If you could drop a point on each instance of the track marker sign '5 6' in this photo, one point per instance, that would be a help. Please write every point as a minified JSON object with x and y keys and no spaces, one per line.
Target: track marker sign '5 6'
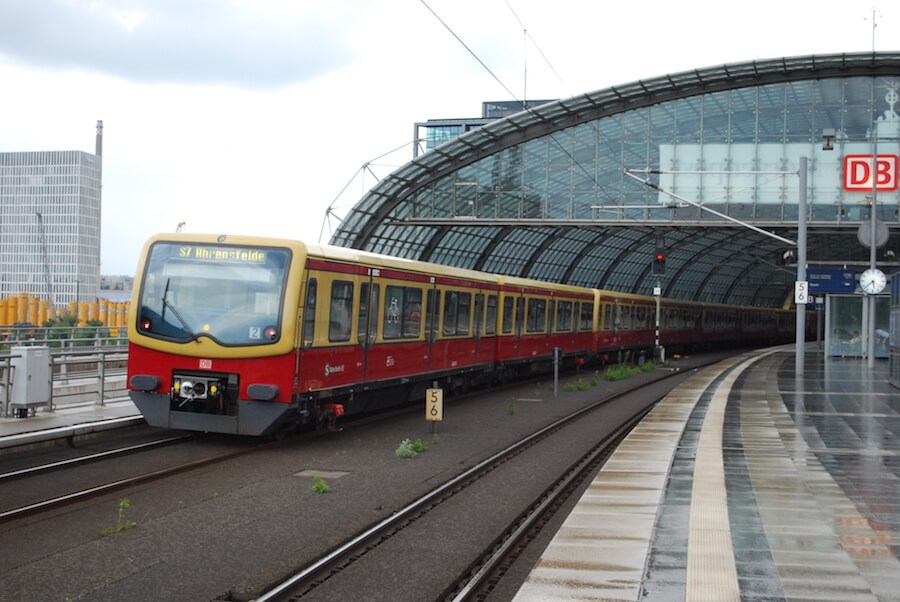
{"x":858,"y":172}
{"x":434,"y":404}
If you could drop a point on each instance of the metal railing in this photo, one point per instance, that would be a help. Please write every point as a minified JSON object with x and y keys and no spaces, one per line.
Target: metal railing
{"x":84,"y":368}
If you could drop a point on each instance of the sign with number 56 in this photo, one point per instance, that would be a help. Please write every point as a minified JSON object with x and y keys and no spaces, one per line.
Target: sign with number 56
{"x":434,"y":404}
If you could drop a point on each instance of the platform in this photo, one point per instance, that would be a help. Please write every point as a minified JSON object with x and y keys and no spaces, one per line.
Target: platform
{"x":67,"y":421}
{"x":745,"y":483}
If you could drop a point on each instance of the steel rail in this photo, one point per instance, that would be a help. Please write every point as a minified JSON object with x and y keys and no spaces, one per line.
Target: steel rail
{"x":119,"y":484}
{"x":344,"y":552}
{"x":91,"y":457}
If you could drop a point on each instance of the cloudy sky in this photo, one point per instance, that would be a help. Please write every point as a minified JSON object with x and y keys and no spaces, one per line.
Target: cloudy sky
{"x":256,"y":116}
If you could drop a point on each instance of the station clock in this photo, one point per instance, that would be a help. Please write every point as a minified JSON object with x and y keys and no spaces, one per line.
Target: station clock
{"x":872,"y":281}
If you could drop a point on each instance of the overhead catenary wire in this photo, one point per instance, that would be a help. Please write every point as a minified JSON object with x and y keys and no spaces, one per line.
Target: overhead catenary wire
{"x":552,"y":137}
{"x":472,"y":52}
{"x":537,"y":47}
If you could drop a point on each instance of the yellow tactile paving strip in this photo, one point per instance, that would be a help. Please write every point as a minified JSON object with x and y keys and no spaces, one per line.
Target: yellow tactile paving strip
{"x":600,"y":551}
{"x":711,"y":571}
{"x":821,"y":546}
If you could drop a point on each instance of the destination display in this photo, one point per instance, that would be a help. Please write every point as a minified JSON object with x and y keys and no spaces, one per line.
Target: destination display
{"x":224,"y":254}
{"x":825,"y":280}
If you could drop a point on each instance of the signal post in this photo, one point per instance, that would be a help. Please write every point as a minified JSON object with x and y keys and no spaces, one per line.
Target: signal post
{"x":659,"y":270}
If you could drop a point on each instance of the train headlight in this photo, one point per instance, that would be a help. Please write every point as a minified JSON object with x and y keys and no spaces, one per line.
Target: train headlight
{"x":191,"y":387}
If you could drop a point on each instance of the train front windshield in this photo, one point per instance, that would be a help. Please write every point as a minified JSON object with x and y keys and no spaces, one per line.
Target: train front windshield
{"x":231,"y":294}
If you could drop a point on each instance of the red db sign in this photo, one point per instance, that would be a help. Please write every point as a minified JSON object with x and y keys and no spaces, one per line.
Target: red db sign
{"x":858,"y":172}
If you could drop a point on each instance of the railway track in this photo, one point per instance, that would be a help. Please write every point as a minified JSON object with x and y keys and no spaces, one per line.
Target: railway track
{"x":34,"y":489}
{"x":262,"y":503}
{"x":70,"y":462}
{"x":474,"y":579}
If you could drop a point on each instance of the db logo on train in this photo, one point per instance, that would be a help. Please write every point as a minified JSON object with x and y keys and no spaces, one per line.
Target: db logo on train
{"x":858,"y":172}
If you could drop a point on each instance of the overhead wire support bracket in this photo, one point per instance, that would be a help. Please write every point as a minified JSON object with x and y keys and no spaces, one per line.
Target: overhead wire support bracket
{"x":631,"y":174}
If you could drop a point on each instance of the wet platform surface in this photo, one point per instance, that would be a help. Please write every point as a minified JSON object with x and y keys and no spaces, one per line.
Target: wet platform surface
{"x":745,"y":483}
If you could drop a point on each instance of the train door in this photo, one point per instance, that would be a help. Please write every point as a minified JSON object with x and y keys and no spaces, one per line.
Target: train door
{"x":367,"y":323}
{"x":478,"y":322}
{"x":520,"y":322}
{"x":432,"y":322}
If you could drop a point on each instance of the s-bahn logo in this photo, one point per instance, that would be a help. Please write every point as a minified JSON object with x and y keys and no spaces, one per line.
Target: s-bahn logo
{"x":858,"y":172}
{"x":329,"y":369}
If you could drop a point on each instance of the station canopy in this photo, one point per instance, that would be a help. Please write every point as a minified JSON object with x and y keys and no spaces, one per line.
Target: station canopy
{"x":586,"y":190}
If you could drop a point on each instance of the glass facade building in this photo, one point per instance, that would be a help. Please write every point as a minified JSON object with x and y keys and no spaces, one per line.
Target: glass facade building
{"x":440,"y":131}
{"x":50,"y":225}
{"x":581,"y":190}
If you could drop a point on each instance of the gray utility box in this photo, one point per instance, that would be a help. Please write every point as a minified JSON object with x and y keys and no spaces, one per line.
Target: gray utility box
{"x":30,"y":377}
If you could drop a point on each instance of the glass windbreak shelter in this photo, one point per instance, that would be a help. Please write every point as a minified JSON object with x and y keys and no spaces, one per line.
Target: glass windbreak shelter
{"x":847,"y":334}
{"x":894,"y":374}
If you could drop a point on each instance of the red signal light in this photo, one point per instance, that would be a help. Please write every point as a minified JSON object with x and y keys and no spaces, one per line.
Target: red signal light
{"x":659,"y":263}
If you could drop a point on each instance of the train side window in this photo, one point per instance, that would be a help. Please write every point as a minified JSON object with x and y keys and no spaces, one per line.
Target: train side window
{"x":564,"y":316}
{"x":640,"y":317}
{"x":508,"y":314}
{"x":490,"y":327}
{"x":451,"y":306}
{"x":402,"y":312}
{"x":340,"y":312}
{"x":432,"y":303}
{"x":463,"y":313}
{"x":587,"y":316}
{"x":412,"y":313}
{"x":309,"y":314}
{"x":609,"y":318}
{"x":537,"y":315}
{"x":393,"y":303}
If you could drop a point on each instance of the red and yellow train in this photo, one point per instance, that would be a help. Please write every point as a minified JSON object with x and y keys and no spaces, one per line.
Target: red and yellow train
{"x":249,"y":335}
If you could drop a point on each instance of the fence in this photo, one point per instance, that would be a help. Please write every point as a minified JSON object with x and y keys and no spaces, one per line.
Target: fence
{"x":82,"y":371}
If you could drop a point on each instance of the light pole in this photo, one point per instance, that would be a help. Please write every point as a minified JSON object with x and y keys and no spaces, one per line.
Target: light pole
{"x":800,"y":340}
{"x":801,"y":232}
{"x":872,"y":280}
{"x":873,"y":222}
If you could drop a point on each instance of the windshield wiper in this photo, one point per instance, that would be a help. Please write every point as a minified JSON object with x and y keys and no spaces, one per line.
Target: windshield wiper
{"x":184,"y":324}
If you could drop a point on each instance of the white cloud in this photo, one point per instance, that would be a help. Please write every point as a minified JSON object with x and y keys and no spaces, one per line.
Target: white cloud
{"x":251,"y":117}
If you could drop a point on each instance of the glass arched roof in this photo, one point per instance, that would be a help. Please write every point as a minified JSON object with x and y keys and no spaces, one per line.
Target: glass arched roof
{"x":544,"y":194}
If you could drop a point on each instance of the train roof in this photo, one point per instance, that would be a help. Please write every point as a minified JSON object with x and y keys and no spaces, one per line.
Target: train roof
{"x":349,"y":255}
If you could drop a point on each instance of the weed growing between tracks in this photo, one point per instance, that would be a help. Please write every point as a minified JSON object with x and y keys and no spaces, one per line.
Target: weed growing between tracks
{"x":621,"y":371}
{"x":122,"y":524}
{"x":319,"y":485}
{"x":409,"y":449}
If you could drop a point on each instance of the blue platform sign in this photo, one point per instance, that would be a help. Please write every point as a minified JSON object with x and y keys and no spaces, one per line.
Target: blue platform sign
{"x":825,"y":280}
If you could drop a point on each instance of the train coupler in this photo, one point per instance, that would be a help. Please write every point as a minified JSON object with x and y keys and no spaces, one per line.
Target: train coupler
{"x":329,"y":413}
